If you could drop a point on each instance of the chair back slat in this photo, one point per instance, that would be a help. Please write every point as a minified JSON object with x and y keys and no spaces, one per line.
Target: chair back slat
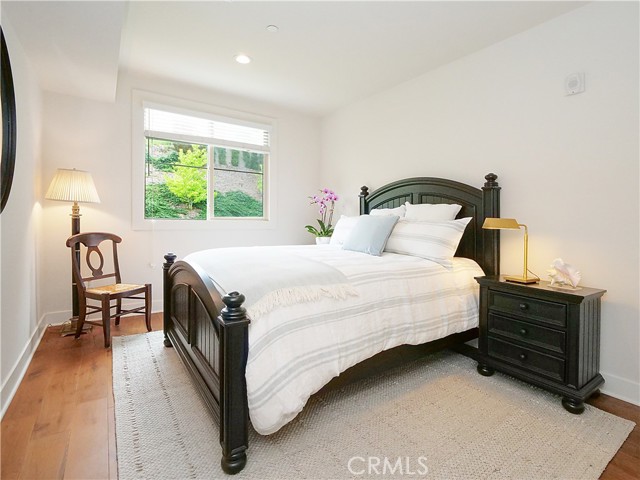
{"x":99,"y":277}
{"x":94,"y":259}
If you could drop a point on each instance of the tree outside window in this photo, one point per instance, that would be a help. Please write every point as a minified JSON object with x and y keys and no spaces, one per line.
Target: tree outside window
{"x":198,"y":181}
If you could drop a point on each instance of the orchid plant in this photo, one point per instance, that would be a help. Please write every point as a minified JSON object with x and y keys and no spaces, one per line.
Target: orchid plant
{"x":326,"y":202}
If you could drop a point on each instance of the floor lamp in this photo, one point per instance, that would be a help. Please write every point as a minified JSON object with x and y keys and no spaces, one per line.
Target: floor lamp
{"x":73,"y":186}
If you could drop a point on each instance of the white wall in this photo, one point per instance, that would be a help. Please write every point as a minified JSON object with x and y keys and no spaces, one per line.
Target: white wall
{"x":96,"y":136}
{"x":568,"y":165}
{"x":502,"y":109}
{"x":20,"y":319}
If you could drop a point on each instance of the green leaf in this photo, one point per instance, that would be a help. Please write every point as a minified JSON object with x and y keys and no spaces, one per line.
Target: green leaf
{"x":312,"y":230}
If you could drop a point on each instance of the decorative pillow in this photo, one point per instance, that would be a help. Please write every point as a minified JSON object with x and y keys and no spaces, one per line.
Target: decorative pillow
{"x":427,"y":212}
{"x":398,"y":211}
{"x":370,"y":234}
{"x":342,"y":229}
{"x":435,"y":241}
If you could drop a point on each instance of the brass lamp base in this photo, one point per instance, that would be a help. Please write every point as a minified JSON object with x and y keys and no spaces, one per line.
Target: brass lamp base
{"x":525,"y":280}
{"x":69,"y":328}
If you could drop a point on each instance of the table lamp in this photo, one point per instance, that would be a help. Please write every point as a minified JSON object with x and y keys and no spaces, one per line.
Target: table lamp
{"x":512,"y":224}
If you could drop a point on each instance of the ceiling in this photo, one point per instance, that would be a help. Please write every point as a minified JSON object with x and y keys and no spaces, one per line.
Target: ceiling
{"x":325,"y":54}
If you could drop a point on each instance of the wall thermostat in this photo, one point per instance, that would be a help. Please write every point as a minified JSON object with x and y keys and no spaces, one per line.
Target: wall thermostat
{"x":574,"y":83}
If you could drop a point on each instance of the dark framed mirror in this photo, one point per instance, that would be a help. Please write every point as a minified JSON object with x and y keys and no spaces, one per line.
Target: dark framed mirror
{"x":8,"y":125}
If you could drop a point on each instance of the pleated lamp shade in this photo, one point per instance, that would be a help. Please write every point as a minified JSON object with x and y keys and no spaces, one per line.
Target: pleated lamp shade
{"x":73,"y":186}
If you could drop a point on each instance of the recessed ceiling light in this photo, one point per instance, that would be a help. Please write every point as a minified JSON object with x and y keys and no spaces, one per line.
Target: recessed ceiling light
{"x":242,"y":58}
{"x":272,"y":28}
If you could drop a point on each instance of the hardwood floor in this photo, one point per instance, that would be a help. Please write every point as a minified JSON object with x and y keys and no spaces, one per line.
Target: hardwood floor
{"x":61,"y":421}
{"x":625,"y":465}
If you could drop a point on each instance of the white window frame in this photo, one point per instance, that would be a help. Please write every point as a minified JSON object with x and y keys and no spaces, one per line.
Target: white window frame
{"x":141,"y":100}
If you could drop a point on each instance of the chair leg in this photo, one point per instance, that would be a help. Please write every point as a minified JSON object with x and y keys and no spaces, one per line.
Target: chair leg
{"x":118,"y":310}
{"x":82,"y":314}
{"x":147,"y":307}
{"x":106,"y":320}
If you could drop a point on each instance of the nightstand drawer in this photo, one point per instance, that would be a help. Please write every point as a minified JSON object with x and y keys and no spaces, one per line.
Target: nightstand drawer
{"x":527,"y":359}
{"x":542,"y":337}
{"x":533,"y":308}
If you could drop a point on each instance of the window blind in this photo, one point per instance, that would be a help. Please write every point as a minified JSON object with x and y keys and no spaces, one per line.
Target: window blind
{"x":170,"y":125}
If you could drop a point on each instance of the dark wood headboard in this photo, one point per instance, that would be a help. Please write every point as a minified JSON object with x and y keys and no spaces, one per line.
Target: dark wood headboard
{"x":483,"y":246}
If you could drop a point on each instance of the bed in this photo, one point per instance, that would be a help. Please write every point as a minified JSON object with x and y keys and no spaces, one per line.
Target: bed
{"x":210,"y":329}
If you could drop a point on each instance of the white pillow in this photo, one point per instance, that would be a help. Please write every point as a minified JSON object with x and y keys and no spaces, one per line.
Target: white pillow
{"x":427,"y":212}
{"x":370,"y":234}
{"x":436,"y":241}
{"x":342,"y":229}
{"x":398,"y":211}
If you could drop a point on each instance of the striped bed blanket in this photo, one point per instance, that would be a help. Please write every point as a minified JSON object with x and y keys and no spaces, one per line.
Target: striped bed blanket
{"x":297,"y":348}
{"x":271,"y":277}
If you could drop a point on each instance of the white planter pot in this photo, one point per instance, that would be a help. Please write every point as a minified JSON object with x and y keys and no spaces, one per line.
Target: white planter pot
{"x":322,"y":240}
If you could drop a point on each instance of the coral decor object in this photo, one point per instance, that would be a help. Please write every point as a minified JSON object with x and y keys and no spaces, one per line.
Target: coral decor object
{"x":563,"y":274}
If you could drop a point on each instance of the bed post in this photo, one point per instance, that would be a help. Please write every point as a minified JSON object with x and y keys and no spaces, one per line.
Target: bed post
{"x":491,"y":238}
{"x":170,"y":258}
{"x":234,"y":411}
{"x":364,"y":191}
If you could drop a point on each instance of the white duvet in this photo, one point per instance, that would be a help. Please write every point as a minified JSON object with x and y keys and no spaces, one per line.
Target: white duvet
{"x":295,"y":350}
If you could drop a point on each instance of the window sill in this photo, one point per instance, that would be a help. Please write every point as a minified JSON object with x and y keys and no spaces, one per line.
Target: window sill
{"x":220,"y":224}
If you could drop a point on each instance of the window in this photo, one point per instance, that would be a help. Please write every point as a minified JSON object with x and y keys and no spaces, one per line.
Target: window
{"x":203,"y":167}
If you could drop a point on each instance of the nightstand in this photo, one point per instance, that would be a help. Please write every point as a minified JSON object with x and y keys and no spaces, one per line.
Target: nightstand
{"x":543,"y":335}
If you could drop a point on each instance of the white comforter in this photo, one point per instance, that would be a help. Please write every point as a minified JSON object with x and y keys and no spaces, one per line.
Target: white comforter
{"x":295,"y":350}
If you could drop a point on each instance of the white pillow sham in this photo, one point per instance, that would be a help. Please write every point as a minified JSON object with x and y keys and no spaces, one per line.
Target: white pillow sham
{"x":427,"y":212}
{"x":435,"y":241}
{"x":398,"y":211}
{"x":342,"y":229}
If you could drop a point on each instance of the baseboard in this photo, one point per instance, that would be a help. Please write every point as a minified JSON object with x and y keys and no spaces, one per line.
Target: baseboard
{"x":17,"y":372}
{"x":58,"y":318}
{"x":621,"y":388}
{"x":157,"y":305}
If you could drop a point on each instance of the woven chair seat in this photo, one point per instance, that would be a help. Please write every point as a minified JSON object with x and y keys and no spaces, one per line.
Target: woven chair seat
{"x":114,"y":288}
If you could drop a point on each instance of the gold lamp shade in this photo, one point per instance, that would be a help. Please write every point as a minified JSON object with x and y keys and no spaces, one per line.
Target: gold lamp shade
{"x":512,"y":224}
{"x":501,"y":224}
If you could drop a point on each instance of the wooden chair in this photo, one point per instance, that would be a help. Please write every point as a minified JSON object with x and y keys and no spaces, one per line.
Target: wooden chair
{"x":94,"y":262}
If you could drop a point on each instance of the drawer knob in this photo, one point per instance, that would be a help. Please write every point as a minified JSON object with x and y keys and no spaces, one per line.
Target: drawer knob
{"x":523,"y":331}
{"x":522,"y":356}
{"x":524,"y":306}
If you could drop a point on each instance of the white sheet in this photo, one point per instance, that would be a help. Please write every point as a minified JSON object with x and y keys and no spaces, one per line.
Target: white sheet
{"x":295,"y":350}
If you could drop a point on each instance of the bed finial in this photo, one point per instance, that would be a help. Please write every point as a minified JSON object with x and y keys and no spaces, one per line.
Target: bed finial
{"x":170,"y":258}
{"x":364,"y":191}
{"x":234,"y":309}
{"x":491,"y":180}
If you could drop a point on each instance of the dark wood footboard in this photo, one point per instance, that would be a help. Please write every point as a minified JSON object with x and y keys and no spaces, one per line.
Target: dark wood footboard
{"x":209,"y":331}
{"x":210,"y":334}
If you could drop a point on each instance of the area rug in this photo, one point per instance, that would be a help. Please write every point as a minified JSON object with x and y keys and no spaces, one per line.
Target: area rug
{"x":434,"y":418}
